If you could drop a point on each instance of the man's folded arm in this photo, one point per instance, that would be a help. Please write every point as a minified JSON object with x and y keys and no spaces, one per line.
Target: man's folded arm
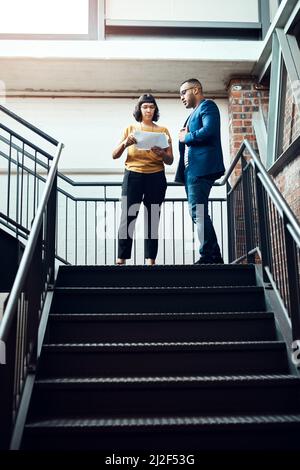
{"x":211,"y":122}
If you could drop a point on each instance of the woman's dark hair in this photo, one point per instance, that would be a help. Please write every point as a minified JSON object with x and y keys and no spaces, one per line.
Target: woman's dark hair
{"x":146,"y":98}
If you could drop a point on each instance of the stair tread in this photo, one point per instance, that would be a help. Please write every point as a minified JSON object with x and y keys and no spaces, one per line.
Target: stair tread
{"x":158,"y":267}
{"x":264,"y":379}
{"x":162,"y":316}
{"x":167,"y":421}
{"x":133,"y":290}
{"x":231,"y":345}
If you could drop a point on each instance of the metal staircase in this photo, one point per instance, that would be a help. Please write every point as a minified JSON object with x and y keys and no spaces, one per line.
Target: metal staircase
{"x":162,"y":358}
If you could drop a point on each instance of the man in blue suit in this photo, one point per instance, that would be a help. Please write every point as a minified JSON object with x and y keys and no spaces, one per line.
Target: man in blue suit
{"x":200,"y":164}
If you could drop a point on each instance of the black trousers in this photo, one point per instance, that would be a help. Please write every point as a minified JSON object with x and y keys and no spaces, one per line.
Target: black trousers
{"x":147,"y":188}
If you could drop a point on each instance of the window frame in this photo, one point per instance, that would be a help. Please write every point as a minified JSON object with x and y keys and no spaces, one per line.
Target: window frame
{"x":94,"y":28}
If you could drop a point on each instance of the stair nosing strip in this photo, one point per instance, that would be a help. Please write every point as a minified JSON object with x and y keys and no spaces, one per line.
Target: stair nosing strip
{"x":158,"y":346}
{"x":206,"y":379}
{"x":153,"y":316}
{"x":168,"y":421}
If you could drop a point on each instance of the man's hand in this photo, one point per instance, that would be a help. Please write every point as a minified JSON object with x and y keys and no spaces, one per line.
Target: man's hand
{"x":182,"y":133}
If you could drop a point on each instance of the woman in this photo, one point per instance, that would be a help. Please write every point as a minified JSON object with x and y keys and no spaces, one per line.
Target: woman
{"x":144,"y":180}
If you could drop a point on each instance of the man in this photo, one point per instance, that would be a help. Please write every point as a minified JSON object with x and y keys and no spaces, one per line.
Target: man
{"x":200,"y":164}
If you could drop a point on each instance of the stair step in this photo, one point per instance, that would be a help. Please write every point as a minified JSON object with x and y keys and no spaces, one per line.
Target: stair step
{"x":153,"y":327}
{"x":229,"y":432}
{"x":143,"y":276}
{"x":168,"y":299}
{"x":180,"y":395}
{"x":107,"y":359}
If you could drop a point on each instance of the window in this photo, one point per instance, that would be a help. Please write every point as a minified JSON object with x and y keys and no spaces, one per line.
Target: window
{"x":48,"y":19}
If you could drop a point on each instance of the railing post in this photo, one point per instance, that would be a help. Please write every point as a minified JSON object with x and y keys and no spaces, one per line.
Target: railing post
{"x":7,"y":380}
{"x":248,"y":212}
{"x":51,"y":230}
{"x":34,"y":288}
{"x":263,"y":226}
{"x":293,"y":280}
{"x":230,"y":224}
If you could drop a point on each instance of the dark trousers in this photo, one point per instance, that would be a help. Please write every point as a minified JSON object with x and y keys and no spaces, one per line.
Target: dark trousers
{"x":198,"y":189}
{"x":149,"y":189}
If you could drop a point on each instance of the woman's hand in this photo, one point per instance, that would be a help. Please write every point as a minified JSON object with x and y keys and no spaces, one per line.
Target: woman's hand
{"x":165,"y":154}
{"x":159,"y":151}
{"x":130,"y":140}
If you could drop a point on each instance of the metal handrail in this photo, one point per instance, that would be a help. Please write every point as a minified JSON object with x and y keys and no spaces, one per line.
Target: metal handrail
{"x":274,"y":192}
{"x":268,"y":183}
{"x":26,"y":142}
{"x":30,"y":126}
{"x":10,"y":310}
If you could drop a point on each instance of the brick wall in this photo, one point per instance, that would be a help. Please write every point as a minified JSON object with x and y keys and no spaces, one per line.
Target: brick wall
{"x":245,"y":97}
{"x":288,"y":182}
{"x":291,"y":127}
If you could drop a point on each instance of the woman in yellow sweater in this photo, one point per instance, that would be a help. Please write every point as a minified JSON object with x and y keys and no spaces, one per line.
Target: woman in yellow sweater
{"x":144,"y":180}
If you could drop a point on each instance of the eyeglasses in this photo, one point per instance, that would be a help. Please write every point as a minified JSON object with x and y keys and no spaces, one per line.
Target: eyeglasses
{"x":183,"y":92}
{"x":146,"y":106}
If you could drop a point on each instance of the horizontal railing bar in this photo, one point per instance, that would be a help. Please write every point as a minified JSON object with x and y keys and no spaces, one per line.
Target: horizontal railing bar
{"x":25,"y":141}
{"x":27,"y":124}
{"x":15,"y":224}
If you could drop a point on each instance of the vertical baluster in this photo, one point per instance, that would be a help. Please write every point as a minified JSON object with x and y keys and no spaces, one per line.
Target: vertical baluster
{"x":34,"y":185}
{"x":193,"y":239}
{"x":22,"y":185}
{"x":95,"y":205}
{"x":222,"y":228}
{"x":9,"y":176}
{"x":164,"y":232}
{"x":76,"y":229}
{"x":66,"y":230}
{"x":85,"y":231}
{"x":105,"y":242}
{"x":27,"y":201}
{"x":183,"y":233}
{"x":115,"y":230}
{"x":18,"y":194}
{"x":173,"y":230}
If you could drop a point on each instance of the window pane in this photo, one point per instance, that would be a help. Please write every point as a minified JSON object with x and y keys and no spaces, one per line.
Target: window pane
{"x":44,"y":16}
{"x":189,"y":10}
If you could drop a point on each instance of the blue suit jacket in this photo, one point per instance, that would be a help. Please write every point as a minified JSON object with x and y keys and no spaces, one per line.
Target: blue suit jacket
{"x":205,"y":154}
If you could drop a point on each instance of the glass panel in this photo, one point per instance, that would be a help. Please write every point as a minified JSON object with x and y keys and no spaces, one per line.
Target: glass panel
{"x":44,"y":17}
{"x":291,"y":123}
{"x":273,"y":7}
{"x":176,"y":10}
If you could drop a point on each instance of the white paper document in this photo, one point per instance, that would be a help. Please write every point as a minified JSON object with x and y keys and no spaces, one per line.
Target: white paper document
{"x":146,"y":140}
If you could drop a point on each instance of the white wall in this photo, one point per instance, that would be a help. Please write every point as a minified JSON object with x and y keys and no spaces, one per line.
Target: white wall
{"x":91,"y":128}
{"x":190,"y":10}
